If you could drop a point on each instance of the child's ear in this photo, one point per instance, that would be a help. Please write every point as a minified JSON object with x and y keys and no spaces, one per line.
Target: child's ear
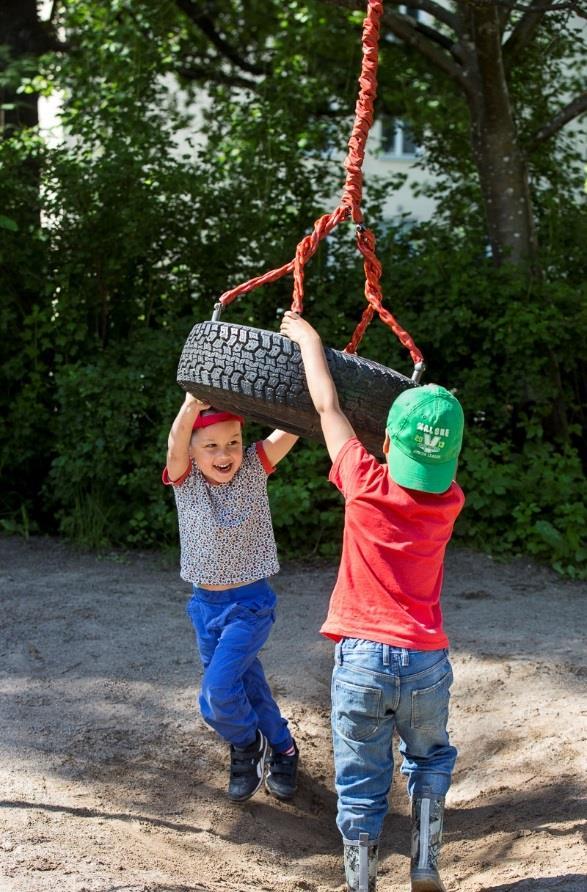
{"x":386,"y":444}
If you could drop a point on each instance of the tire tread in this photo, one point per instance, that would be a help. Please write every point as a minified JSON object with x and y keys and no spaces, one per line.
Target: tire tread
{"x":260,"y":374}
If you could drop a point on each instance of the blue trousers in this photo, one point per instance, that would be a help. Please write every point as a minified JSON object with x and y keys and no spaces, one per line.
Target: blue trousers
{"x":377,"y":689}
{"x":231,"y":627}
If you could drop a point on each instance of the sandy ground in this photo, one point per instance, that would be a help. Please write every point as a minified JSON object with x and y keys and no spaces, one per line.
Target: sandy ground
{"x":110,"y":781}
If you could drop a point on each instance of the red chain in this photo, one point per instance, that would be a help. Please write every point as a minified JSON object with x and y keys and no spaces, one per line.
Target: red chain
{"x":349,"y":208}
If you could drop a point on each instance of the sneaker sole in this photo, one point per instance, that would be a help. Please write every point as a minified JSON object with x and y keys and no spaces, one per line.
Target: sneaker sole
{"x":277,"y":795}
{"x":261,"y":779}
{"x":427,"y":884}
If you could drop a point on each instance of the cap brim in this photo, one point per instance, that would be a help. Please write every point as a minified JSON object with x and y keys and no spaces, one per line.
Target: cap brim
{"x":415,"y":475}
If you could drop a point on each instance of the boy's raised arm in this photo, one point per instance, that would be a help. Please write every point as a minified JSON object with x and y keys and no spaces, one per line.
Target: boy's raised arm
{"x":278,"y":444}
{"x":336,"y":427}
{"x":178,"y":442}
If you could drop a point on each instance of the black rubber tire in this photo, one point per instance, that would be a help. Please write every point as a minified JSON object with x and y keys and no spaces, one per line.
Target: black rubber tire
{"x":260,"y":374}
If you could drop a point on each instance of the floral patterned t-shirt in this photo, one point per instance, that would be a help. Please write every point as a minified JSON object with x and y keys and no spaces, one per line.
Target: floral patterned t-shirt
{"x":225,"y":529}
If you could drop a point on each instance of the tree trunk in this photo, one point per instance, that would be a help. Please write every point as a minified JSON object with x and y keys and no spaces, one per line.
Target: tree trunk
{"x":501,"y":165}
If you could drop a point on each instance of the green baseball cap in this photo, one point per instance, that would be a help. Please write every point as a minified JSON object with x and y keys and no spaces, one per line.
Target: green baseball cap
{"x":425,"y":427}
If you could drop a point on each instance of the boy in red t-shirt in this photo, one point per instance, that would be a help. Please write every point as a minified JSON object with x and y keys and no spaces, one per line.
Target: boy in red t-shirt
{"x":392,"y":669}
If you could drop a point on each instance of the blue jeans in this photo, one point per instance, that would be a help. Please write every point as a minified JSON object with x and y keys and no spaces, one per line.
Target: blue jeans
{"x":231,"y":627}
{"x":377,"y":688}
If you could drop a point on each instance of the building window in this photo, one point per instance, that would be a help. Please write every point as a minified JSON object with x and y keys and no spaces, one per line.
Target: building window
{"x":397,"y":140}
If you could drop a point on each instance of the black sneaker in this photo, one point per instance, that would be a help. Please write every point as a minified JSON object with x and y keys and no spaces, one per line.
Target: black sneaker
{"x":282,"y":778}
{"x":247,"y":767}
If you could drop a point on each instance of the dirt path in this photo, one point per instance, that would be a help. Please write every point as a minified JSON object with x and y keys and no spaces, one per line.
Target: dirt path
{"x":110,"y":781}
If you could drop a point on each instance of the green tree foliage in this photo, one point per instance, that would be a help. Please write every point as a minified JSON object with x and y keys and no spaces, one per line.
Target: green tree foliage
{"x":143,"y":215}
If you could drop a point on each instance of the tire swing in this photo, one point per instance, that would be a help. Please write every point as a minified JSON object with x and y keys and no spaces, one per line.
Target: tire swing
{"x":259,"y":373}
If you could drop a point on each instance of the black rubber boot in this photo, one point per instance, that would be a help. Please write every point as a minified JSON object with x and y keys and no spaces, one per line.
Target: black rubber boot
{"x":427,"y":818}
{"x":282,"y":777}
{"x":247,"y":769}
{"x":360,"y":865}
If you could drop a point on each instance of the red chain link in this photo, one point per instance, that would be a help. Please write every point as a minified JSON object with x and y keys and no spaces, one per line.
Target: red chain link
{"x":349,"y":208}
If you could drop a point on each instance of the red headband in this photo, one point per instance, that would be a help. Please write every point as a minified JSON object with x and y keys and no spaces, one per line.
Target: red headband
{"x":215,"y":418}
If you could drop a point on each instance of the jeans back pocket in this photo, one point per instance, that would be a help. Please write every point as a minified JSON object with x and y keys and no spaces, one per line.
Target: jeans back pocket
{"x":430,"y":705}
{"x":356,"y":709}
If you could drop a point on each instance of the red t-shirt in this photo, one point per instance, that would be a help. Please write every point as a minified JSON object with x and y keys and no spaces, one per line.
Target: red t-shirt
{"x":390,"y":575}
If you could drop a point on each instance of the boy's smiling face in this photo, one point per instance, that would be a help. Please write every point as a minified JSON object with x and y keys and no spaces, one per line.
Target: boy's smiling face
{"x":218,"y":450}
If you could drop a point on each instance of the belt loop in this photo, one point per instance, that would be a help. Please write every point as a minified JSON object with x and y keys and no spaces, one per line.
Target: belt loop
{"x":386,"y":657}
{"x":405,"y":661}
{"x":338,"y":653}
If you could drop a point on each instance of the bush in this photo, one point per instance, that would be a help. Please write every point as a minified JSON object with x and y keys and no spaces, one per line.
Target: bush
{"x":532,"y":501}
{"x":113,"y":415}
